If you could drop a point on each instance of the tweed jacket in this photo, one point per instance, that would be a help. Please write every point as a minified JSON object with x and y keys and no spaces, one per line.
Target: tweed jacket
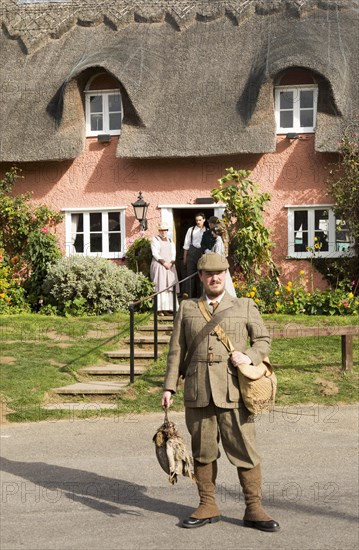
{"x":210,"y":371}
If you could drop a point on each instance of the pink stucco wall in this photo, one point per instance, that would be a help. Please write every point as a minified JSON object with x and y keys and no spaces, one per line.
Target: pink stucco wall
{"x":293,"y":175}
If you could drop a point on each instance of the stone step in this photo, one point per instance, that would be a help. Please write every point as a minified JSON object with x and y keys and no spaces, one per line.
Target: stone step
{"x":163,"y":318}
{"x":120,"y":369}
{"x":161,"y":328}
{"x":79,"y":406}
{"x":92,"y":388}
{"x":161,"y":340}
{"x":125,"y":354}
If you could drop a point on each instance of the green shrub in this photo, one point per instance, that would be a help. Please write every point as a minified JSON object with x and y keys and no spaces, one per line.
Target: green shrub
{"x":85,"y":285}
{"x":139,"y":256}
{"x":42,"y":251}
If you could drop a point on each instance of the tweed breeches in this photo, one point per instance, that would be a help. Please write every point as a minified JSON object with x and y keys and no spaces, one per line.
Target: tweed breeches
{"x":210,"y":425}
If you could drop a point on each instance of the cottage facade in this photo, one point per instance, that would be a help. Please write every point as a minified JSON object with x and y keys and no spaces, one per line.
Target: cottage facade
{"x":102,"y":100}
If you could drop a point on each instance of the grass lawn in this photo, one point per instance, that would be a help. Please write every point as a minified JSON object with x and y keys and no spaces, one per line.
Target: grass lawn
{"x":39,"y":353}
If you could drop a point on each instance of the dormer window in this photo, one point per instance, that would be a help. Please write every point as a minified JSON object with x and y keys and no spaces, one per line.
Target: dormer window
{"x":104,"y":110}
{"x":296,"y":109}
{"x":296,"y":98}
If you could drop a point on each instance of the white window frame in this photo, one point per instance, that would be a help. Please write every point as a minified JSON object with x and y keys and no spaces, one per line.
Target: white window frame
{"x":105,"y":112}
{"x":296,"y":108}
{"x":332,"y":244}
{"x":70,"y":250}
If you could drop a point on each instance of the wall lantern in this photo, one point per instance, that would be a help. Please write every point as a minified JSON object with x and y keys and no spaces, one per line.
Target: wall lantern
{"x":140,"y":207}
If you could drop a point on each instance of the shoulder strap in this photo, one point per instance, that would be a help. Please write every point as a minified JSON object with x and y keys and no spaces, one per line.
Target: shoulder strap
{"x":217,"y":329}
{"x":202,"y":334}
{"x":204,"y":310}
{"x":192,"y":234}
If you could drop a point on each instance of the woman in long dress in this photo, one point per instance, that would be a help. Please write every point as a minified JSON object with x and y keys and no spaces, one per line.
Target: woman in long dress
{"x":163,"y":270}
{"x":219,"y":248}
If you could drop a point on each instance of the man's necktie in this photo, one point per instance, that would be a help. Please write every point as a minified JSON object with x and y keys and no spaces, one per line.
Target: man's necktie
{"x":213,"y":306}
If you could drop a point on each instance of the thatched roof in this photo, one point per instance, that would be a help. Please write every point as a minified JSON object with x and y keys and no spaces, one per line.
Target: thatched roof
{"x":197,"y":77}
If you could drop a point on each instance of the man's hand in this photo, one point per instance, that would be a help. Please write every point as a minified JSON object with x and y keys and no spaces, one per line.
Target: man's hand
{"x":239,"y":358}
{"x":166,"y":399}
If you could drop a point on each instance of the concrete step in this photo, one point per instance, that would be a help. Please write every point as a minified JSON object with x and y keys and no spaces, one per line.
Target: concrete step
{"x":125,"y":354}
{"x":120,"y":369}
{"x":92,"y":388}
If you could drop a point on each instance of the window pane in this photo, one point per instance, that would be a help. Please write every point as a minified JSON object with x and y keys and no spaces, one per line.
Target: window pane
{"x":96,"y":221}
{"x":286,"y":119}
{"x":114,"y":221}
{"x":301,"y":241}
{"x":306,"y":99}
{"x":306,"y":119}
{"x":77,"y":228}
{"x":321,"y":220}
{"x":286,"y":100}
{"x":80,"y":222}
{"x":96,"y":104}
{"x":79,"y":243}
{"x":301,"y":220}
{"x":115,"y":121}
{"x":95,"y":242}
{"x":300,"y":231}
{"x":96,"y":123}
{"x":114,"y":103}
{"x":321,"y":230}
{"x":77,"y":224}
{"x":342,"y":236}
{"x":322,"y":241}
{"x":114,"y":242}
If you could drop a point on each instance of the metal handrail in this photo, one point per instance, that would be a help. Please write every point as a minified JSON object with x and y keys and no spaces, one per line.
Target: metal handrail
{"x":131,"y":307}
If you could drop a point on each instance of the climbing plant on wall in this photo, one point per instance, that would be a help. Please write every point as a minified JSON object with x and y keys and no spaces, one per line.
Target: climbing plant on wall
{"x":250,"y":242}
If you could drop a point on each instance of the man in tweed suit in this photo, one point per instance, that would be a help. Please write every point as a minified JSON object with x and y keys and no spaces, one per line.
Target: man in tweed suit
{"x":211,"y":392}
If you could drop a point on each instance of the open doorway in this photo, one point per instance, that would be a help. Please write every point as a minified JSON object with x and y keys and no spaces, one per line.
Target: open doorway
{"x":183,"y":218}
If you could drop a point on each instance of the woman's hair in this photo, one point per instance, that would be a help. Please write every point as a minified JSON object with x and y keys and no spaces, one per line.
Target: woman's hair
{"x":221,"y":231}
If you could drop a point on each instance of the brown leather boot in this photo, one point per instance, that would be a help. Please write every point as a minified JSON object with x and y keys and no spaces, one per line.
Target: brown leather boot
{"x":255,"y":516}
{"x":207,"y":511}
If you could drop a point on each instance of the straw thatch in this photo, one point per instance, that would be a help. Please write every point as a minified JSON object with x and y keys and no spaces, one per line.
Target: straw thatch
{"x":196,"y":77}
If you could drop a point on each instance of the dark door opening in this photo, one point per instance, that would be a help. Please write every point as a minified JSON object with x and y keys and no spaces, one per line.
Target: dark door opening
{"x":183,"y":218}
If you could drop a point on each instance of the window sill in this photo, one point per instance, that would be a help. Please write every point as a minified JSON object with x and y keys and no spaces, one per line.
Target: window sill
{"x":328,"y":256}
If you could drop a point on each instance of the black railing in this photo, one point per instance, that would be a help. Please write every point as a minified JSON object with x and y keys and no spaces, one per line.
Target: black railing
{"x":152,"y":297}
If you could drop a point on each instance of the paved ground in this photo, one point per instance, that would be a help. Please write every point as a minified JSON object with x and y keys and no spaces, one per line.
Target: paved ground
{"x":96,"y":485}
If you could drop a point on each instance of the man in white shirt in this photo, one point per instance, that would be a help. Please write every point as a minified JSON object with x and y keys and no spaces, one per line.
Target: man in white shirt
{"x":192,"y":253}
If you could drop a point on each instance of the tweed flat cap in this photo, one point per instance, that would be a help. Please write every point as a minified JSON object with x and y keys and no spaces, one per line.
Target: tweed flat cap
{"x":212,"y":262}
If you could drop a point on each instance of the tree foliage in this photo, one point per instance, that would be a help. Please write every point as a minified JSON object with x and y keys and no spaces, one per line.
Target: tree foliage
{"x":27,"y":243}
{"x":250,"y":242}
{"x":344,"y":183}
{"x":344,"y":188}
